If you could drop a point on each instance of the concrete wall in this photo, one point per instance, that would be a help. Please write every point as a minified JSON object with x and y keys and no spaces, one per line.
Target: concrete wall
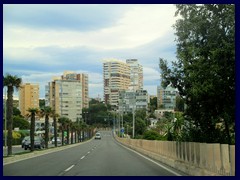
{"x":197,"y":159}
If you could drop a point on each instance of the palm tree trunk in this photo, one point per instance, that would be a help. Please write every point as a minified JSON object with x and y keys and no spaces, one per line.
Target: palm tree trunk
{"x":46,"y":131}
{"x":71,"y":136}
{"x":9,"y":119}
{"x":55,"y":130}
{"x":67,"y":134}
{"x":62,"y":135}
{"x":75,"y":136}
{"x":32,"y":130}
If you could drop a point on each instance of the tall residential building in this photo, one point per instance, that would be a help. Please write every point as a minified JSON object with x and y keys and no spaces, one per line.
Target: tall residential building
{"x":166,"y":97}
{"x":28,"y":97}
{"x":130,"y":100}
{"x":68,"y":94}
{"x":136,"y":74}
{"x":116,"y":76}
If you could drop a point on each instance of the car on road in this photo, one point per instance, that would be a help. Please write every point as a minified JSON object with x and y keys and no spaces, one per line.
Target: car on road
{"x":24,"y":140}
{"x":98,"y":135}
{"x":38,"y":143}
{"x":58,"y":140}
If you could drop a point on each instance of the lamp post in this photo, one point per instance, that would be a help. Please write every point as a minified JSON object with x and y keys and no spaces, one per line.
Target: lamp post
{"x":5,"y":117}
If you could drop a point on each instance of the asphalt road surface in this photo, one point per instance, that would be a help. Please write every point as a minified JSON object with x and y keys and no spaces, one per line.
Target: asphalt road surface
{"x":105,"y":157}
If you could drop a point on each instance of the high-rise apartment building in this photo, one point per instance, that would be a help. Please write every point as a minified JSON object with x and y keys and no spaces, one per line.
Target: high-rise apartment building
{"x":136,"y":74}
{"x":130,"y":100}
{"x":28,"y":97}
{"x":68,"y":94}
{"x":166,"y":97}
{"x":116,"y":76}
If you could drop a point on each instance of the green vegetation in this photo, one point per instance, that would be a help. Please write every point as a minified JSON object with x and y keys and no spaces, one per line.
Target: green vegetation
{"x":10,"y":82}
{"x":205,"y":71}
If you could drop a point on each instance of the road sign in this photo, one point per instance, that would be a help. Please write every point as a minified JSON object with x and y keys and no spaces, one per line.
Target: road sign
{"x":122,"y":130}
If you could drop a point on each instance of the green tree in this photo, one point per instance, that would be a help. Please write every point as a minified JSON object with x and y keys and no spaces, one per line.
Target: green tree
{"x":16,"y":112}
{"x":179,"y":104}
{"x":10,"y":82}
{"x":20,"y":122}
{"x":41,"y":103}
{"x":205,"y":71}
{"x":46,"y":111}
{"x":55,"y":117}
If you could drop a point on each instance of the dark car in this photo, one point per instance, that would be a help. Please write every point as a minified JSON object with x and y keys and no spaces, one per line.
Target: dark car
{"x":38,"y":143}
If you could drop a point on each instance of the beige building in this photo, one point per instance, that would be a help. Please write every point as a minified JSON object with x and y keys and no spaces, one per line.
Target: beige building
{"x":28,"y":97}
{"x":136,"y":74}
{"x":116,"y":76}
{"x":68,"y":94}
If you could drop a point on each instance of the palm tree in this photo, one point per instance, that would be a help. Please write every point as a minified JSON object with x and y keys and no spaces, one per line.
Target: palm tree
{"x":11,"y":82}
{"x":46,"y":111}
{"x":33,"y":112}
{"x":55,"y":116}
{"x":63,"y":126}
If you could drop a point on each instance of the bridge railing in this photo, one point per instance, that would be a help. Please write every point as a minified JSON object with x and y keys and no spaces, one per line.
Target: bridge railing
{"x":190,"y":157}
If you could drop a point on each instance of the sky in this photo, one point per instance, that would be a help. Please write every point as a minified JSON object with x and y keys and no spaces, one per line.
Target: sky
{"x":41,"y":41}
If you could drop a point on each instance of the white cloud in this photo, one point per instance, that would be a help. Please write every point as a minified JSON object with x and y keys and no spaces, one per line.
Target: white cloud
{"x":139,"y":25}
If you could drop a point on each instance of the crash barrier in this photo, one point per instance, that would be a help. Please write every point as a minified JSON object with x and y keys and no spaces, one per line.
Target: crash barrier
{"x":196,"y":159}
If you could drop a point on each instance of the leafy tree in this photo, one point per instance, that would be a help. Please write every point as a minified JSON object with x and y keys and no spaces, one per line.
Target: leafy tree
{"x":179,"y":104}
{"x":151,"y":135}
{"x":205,"y":71}
{"x":11,"y":82}
{"x":20,"y":122}
{"x":41,"y":103}
{"x":16,"y":112}
{"x":140,"y":126}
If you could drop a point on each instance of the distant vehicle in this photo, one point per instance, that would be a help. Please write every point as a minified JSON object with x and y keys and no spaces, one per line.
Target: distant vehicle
{"x":38,"y":143}
{"x":58,"y":140}
{"x":98,"y":136}
{"x":24,"y":140}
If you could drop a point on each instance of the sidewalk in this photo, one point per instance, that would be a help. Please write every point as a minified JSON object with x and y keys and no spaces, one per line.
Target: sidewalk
{"x":16,"y":158}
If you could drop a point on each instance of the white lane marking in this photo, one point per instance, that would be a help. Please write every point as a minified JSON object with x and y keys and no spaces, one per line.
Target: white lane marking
{"x":151,"y":160}
{"x":83,"y":157}
{"x":69,"y":168}
{"x":88,"y":152}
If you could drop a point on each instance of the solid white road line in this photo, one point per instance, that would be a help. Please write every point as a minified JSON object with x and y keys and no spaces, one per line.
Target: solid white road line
{"x":69,"y":168}
{"x":151,"y":160}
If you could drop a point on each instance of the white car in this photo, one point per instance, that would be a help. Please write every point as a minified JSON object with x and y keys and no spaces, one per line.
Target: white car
{"x":58,"y":140}
{"x":98,"y":136}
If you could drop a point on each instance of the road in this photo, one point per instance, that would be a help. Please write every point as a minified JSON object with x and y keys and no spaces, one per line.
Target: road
{"x":105,"y":157}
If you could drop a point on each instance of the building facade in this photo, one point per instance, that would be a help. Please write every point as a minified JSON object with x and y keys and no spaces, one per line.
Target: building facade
{"x":116,"y":76}
{"x":68,"y":94}
{"x":28,"y":97}
{"x":136,"y":74}
{"x":133,"y":100}
{"x":166,"y":97}
{"x":120,"y":76}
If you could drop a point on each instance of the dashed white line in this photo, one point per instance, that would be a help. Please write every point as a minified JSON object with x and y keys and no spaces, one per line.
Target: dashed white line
{"x":88,"y":152}
{"x":69,"y":168}
{"x":83,"y":157}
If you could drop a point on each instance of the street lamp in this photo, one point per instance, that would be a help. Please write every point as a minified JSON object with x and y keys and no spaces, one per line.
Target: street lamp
{"x":5,"y":117}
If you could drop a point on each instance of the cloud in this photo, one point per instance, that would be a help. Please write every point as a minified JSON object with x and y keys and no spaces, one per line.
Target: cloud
{"x":41,"y":41}
{"x":62,"y":16}
{"x":137,"y":25}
